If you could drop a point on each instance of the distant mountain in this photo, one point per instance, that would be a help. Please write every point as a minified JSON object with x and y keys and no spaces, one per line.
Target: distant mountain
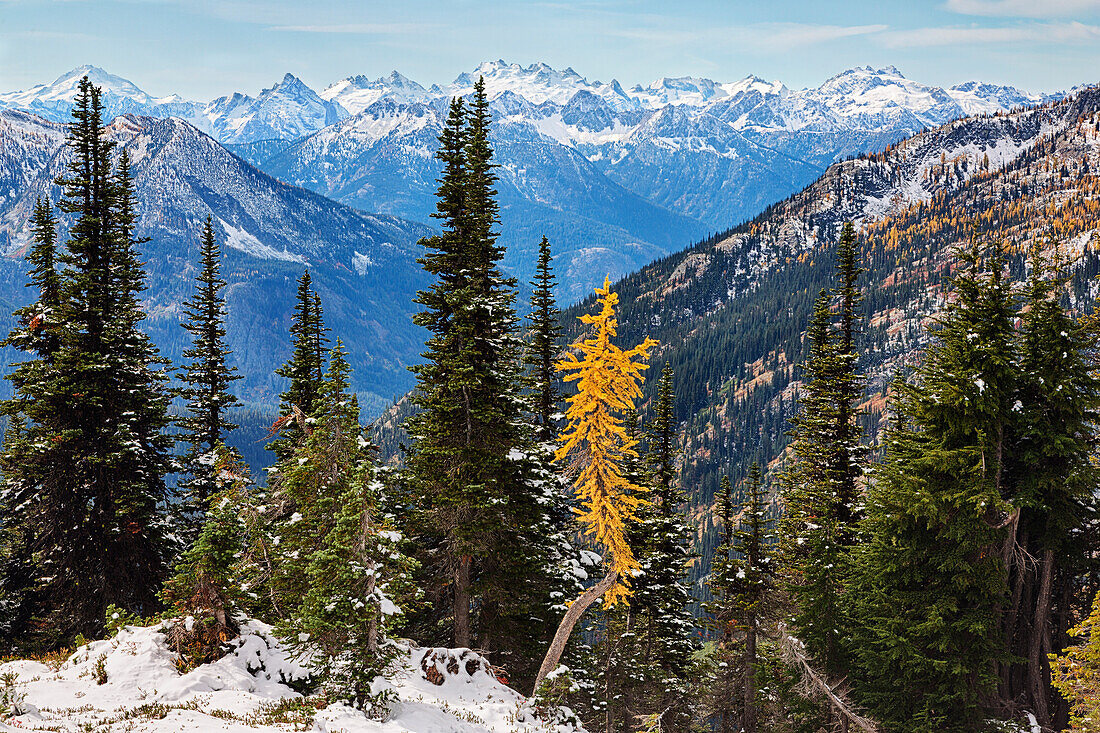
{"x":363,"y":265}
{"x":616,"y":177}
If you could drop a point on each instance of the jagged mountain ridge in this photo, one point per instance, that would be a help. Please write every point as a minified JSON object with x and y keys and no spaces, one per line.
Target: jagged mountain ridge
{"x":363,"y":265}
{"x":615,"y":177}
{"x":731,"y":311}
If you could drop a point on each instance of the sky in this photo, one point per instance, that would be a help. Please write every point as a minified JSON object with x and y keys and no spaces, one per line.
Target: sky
{"x":203,"y":49}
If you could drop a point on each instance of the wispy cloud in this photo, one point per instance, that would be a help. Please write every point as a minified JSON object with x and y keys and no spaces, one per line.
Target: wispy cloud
{"x":365,"y":29}
{"x":1023,"y":8}
{"x":758,"y":36}
{"x":1072,"y":32}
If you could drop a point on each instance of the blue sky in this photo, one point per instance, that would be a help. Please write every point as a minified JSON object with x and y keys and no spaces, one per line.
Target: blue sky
{"x":206,"y":48}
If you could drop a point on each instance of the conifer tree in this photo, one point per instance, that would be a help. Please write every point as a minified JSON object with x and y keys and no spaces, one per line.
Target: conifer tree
{"x":751,"y":588}
{"x":84,"y":468}
{"x":1077,"y":673}
{"x":542,"y":349}
{"x":597,"y":444}
{"x":340,"y":551}
{"x":473,"y":469}
{"x":661,"y":601}
{"x":208,"y":377}
{"x":812,"y":549}
{"x":206,"y":584}
{"x":930,"y":579}
{"x":822,"y":494}
{"x":307,"y":486}
{"x":304,"y":369}
{"x":722,"y":616}
{"x":1050,"y":478}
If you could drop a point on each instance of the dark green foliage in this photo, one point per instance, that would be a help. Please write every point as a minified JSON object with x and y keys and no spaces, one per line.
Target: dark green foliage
{"x":929,"y":582}
{"x":340,"y":568}
{"x":646,"y":648}
{"x":821,"y":493}
{"x":206,"y":586}
{"x":474,"y":471}
{"x":544,"y":335}
{"x":304,"y":369}
{"x":86,"y":453}
{"x":207,"y":377}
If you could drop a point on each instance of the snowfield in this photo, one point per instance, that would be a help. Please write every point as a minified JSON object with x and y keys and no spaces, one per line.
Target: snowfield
{"x":130,"y":683}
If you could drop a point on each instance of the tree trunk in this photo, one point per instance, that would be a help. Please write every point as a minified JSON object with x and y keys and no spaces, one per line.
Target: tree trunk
{"x":1040,"y":642}
{"x":565,"y":628}
{"x":462,"y":602}
{"x":750,"y":678}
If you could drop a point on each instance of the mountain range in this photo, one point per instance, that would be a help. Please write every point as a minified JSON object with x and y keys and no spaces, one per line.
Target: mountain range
{"x":616,"y":177}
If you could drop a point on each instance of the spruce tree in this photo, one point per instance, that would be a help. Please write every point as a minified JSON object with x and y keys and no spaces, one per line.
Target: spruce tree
{"x":929,"y":582}
{"x":86,"y":459}
{"x":207,"y":377}
{"x":725,"y":706}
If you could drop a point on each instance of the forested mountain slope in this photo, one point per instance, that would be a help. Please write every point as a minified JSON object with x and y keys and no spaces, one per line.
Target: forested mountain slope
{"x":730,"y":311}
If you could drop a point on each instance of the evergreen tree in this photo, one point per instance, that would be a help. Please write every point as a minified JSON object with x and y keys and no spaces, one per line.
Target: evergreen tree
{"x":304,"y":369}
{"x":473,"y":470}
{"x":722,"y":615}
{"x":822,"y":493}
{"x":812,"y":549}
{"x":751,"y":588}
{"x":930,"y":579}
{"x":307,"y":486}
{"x":542,"y":348}
{"x":661,"y":603}
{"x":1050,"y":480}
{"x":207,"y":376}
{"x":340,"y":551}
{"x":206,"y":584}
{"x":85,"y":462}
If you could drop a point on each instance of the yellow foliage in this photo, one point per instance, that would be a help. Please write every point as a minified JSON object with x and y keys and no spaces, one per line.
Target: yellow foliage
{"x":595,"y":441}
{"x":1076,"y":673}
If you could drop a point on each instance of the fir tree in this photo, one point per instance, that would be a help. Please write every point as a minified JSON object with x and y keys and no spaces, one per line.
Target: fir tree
{"x":661,"y":602}
{"x":812,"y":549}
{"x":206,"y":584}
{"x":930,"y":579}
{"x":207,"y":376}
{"x":542,"y":348}
{"x":1050,"y":479}
{"x":341,"y":552}
{"x":473,"y":469}
{"x":722,"y":616}
{"x":307,"y":486}
{"x":85,"y":462}
{"x":304,"y":369}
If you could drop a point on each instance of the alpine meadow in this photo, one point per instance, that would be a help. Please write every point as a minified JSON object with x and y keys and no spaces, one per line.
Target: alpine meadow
{"x":522,"y":402}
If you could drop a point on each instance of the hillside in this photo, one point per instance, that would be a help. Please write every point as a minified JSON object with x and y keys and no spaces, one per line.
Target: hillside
{"x":730,"y":311}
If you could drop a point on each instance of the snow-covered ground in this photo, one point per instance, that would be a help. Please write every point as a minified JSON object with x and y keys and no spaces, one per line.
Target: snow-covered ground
{"x":131,"y":683}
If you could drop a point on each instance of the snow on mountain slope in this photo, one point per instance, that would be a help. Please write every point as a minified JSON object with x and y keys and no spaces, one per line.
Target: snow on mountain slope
{"x":356,"y":93}
{"x":131,"y":683}
{"x":286,"y":111}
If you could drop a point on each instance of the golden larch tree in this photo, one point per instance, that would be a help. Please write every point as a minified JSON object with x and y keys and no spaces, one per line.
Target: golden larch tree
{"x":596,"y":444}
